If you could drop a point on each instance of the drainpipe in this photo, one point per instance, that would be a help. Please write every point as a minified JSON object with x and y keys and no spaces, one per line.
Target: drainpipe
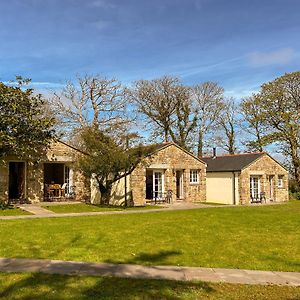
{"x":234,"y":199}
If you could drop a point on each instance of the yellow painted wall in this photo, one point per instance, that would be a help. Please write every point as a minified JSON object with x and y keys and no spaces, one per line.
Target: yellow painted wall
{"x":219,"y":187}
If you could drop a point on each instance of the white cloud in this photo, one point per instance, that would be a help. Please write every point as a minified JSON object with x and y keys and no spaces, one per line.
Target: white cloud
{"x":281,"y":56}
{"x":240,"y":93}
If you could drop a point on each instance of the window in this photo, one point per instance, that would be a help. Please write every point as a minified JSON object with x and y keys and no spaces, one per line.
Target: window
{"x":255,"y":188}
{"x":280,"y":181}
{"x":194,"y":177}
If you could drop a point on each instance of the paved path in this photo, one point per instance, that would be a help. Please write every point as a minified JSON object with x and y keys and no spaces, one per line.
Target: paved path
{"x":39,"y":212}
{"x":36,"y":210}
{"x":155,"y":272}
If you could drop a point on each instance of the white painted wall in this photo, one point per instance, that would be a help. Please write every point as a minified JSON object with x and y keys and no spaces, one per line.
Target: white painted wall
{"x":220,"y":188}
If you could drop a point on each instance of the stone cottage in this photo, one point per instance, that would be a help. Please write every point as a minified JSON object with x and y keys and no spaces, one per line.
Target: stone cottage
{"x":245,"y":178}
{"x":168,"y":173}
{"x":53,"y":178}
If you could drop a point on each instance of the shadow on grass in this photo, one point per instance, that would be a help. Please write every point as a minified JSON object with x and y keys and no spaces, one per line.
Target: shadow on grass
{"x":160,"y":257}
{"x":44,"y":286}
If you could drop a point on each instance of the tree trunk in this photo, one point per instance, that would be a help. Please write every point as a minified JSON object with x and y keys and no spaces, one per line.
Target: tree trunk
{"x":166,"y":132}
{"x":231,"y":146}
{"x":105,"y":194}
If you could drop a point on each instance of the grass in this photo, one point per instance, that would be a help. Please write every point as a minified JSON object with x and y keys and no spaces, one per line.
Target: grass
{"x":10,"y":210}
{"x":213,"y":203}
{"x":43,"y":286}
{"x":260,"y":237}
{"x":81,"y":207}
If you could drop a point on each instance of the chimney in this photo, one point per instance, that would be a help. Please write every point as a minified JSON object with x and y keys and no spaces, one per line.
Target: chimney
{"x":214,"y":152}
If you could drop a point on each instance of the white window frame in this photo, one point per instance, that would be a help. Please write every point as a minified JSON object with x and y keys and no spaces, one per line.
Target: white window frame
{"x":280,"y":181}
{"x":162,"y":183}
{"x":253,"y":178}
{"x":194,"y":176}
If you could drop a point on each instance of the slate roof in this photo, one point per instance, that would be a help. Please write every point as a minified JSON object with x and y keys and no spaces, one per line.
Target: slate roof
{"x":227,"y":163}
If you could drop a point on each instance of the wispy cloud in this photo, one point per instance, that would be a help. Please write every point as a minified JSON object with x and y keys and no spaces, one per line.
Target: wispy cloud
{"x":100,"y":24}
{"x":241,"y":92}
{"x":103,"y":4}
{"x":39,"y":85}
{"x":193,"y":69}
{"x":281,"y":56}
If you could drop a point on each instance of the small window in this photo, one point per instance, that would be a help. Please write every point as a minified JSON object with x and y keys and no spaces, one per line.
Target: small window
{"x":194,"y":176}
{"x":280,"y":181}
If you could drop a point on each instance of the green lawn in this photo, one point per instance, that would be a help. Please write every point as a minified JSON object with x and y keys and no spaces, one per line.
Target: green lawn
{"x":12,"y":211}
{"x":81,"y":207}
{"x":42,"y":286}
{"x":260,"y":237}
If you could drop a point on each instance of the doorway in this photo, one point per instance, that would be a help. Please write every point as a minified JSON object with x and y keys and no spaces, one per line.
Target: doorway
{"x":16,"y":182}
{"x":179,"y":184}
{"x":155,"y":184}
{"x":149,"y":184}
{"x":54,"y":173}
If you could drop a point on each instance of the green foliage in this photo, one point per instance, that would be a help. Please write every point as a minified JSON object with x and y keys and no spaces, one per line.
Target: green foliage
{"x":24,"y":129}
{"x":294,"y":195}
{"x":10,"y":210}
{"x":280,"y":103}
{"x":4,"y":206}
{"x":274,"y":114}
{"x":108,"y":160}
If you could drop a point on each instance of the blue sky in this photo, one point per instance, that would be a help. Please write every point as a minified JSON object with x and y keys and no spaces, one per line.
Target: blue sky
{"x":238,"y":43}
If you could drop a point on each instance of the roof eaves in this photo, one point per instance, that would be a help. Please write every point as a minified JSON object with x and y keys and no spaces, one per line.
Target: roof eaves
{"x":167,"y":144}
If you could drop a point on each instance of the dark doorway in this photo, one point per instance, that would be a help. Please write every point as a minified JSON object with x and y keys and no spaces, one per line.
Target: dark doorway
{"x":16,"y":181}
{"x":149,"y":184}
{"x":54,"y":173}
{"x":179,"y":184}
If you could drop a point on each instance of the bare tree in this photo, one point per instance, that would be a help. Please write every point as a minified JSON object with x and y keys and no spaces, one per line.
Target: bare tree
{"x":184,"y":123}
{"x":228,"y":125}
{"x":93,"y":101}
{"x":166,"y":103}
{"x":208,"y":98}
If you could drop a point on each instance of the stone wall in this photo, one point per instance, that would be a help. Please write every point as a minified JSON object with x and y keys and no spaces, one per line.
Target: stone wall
{"x":3,"y":181}
{"x":264,"y":167}
{"x":61,"y":152}
{"x":170,"y":159}
{"x":34,"y":182}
